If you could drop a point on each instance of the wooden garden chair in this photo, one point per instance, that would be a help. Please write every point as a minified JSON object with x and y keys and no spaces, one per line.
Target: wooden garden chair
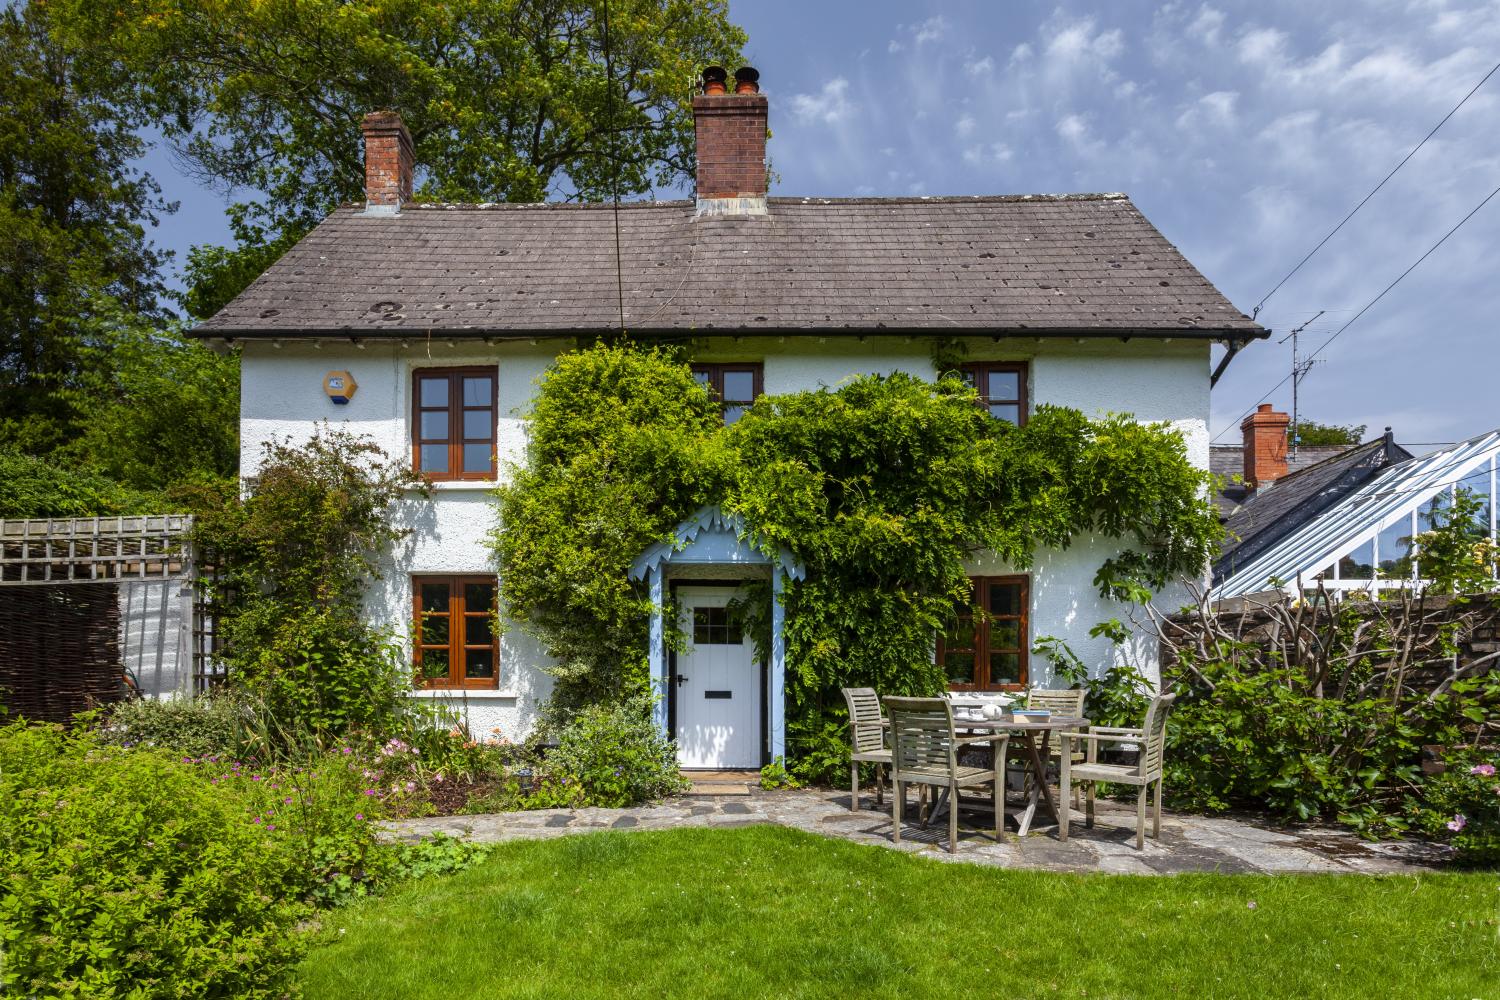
{"x":867,"y":734}
{"x":1145,"y":772}
{"x":1060,"y":702}
{"x":924,"y":751}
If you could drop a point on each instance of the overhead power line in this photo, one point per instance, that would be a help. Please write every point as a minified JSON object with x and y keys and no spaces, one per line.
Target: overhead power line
{"x":1266,"y":298}
{"x":1355,"y":318}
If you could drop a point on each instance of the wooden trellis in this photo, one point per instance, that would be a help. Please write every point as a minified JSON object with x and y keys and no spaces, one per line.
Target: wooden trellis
{"x":94,"y":549}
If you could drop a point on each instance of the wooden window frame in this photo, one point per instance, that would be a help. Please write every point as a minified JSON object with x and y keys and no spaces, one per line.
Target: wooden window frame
{"x":716,"y":370}
{"x":978,"y":373}
{"x":982,"y":620}
{"x":457,"y":613}
{"x":455,"y":408}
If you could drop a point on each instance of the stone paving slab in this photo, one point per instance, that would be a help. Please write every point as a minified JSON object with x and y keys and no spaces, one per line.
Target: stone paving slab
{"x":1188,"y":843}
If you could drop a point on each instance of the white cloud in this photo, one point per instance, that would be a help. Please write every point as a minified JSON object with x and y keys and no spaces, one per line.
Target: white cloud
{"x":1021,"y":53}
{"x":980,"y":67}
{"x":830,"y":105}
{"x":1076,"y":41}
{"x":1261,"y":45}
{"x":964,"y":127}
{"x":931,"y":29}
{"x":1073,"y":128}
{"x":1207,"y":24}
{"x":894,"y":47}
{"x":1217,"y":109}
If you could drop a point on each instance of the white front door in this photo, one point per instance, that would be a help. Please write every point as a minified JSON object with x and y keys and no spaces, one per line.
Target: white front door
{"x":718,"y":685}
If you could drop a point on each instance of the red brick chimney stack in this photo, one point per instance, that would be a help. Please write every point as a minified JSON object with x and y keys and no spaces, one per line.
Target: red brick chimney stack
{"x":731,"y":132}
{"x":1265,"y":446}
{"x":389,"y":163}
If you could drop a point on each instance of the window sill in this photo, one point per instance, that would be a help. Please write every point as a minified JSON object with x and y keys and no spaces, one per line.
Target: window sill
{"x":463,"y":694}
{"x":463,"y":485}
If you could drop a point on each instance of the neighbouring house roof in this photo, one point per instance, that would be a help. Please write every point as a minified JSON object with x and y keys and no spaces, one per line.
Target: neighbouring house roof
{"x":1277,"y":509}
{"x":1227,"y":461}
{"x":1075,"y":265}
{"x":1392,"y":496}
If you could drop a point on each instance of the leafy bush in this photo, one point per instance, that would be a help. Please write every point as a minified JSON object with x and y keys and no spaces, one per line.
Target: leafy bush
{"x":198,"y":727}
{"x":127,"y":874}
{"x":36,"y":487}
{"x":294,"y":560}
{"x":619,"y":452}
{"x":1462,"y":804}
{"x":616,"y":756}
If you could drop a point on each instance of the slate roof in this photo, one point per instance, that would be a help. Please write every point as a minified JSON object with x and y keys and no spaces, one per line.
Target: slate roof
{"x":1080,"y":265}
{"x":1273,"y":512}
{"x":1228,"y":461}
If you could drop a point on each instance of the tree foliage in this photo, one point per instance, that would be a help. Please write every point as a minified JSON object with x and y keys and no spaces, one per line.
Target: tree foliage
{"x":621,"y":450}
{"x":1310,"y":432}
{"x":882,"y":487}
{"x":73,"y":211}
{"x":507,"y":100}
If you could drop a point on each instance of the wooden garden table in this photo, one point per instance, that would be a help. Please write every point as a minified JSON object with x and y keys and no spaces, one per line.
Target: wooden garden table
{"x":1036,"y":753}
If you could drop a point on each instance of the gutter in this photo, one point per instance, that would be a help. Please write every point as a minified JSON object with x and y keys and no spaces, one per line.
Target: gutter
{"x":1236,"y":338}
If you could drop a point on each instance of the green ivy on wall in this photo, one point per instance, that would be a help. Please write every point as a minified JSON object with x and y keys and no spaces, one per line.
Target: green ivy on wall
{"x":882,"y":487}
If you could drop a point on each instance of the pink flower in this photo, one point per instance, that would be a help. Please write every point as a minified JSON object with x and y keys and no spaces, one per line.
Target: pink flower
{"x":345,"y":750}
{"x":1458,"y":822}
{"x":287,"y":800}
{"x":270,"y":826}
{"x":359,"y":815}
{"x":1484,"y":769}
{"x":439,"y":779}
{"x":257,"y":819}
{"x":411,"y":786}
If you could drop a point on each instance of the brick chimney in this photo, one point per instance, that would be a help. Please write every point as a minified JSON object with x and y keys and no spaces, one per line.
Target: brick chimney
{"x":1265,"y":446}
{"x":389,"y":163}
{"x":731,"y":133}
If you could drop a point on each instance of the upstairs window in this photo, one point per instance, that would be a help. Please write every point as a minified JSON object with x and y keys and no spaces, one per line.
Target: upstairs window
{"x":454,"y":643}
{"x":985,"y":647}
{"x":733,"y":386}
{"x":1001,"y":387}
{"x":453,"y":423}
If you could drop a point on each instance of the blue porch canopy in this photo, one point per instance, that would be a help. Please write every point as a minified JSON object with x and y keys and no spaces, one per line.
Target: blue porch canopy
{"x":712,"y":538}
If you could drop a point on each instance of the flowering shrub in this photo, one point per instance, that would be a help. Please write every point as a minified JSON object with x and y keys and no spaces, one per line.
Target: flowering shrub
{"x":197,"y":726}
{"x":1462,"y":804}
{"x":615,"y":756}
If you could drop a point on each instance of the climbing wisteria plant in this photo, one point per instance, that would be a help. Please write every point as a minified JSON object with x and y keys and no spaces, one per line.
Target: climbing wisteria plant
{"x":882,"y":487}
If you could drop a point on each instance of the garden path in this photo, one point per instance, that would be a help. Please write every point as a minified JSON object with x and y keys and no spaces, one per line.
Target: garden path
{"x":1189,"y":843}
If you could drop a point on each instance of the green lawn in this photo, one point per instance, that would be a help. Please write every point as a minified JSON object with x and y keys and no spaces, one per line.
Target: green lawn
{"x":766,"y":911}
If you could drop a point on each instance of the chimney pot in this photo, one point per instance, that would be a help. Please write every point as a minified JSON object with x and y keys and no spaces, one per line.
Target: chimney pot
{"x":747,"y":80}
{"x":1265,"y":446}
{"x":390,"y":162}
{"x":713,"y":80}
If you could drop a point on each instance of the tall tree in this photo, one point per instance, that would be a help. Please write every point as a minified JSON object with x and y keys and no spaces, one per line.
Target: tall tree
{"x":1310,"y":432}
{"x":507,"y":100}
{"x":73,"y":211}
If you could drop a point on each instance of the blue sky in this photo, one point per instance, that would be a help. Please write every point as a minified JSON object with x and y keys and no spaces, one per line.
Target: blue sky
{"x":1244,"y":131}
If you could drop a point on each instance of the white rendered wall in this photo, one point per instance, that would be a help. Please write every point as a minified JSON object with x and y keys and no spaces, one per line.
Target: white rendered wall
{"x":282,"y":396}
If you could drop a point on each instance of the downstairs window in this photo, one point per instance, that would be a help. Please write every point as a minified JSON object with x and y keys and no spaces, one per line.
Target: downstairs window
{"x":454,"y":642}
{"x":985,"y":648}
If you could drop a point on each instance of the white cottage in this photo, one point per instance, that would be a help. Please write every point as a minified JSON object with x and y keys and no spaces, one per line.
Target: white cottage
{"x":427,"y":326}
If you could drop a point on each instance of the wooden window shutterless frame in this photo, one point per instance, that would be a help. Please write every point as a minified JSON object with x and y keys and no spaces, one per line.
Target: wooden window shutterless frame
{"x":986,"y":647}
{"x":454,"y":644}
{"x":453,"y":418}
{"x":1001,"y":386}
{"x":733,"y":385}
